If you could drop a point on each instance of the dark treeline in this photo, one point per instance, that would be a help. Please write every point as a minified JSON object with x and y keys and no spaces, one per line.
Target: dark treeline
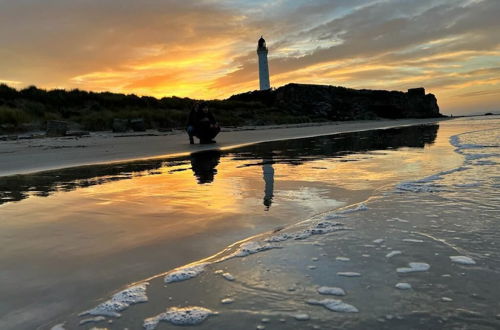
{"x":29,"y":109}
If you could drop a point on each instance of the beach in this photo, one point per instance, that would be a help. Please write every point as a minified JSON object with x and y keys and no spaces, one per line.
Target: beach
{"x":375,"y":227}
{"x":23,"y":156}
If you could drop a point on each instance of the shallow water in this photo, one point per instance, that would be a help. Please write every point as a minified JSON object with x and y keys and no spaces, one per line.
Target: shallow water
{"x":74,"y":237}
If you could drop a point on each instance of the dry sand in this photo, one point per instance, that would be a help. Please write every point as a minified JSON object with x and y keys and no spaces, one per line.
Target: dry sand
{"x":34,"y":155}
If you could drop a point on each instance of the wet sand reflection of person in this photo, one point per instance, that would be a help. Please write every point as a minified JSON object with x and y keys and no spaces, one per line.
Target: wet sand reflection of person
{"x":204,"y":165}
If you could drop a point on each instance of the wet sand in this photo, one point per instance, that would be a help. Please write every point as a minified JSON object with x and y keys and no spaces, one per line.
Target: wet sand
{"x":68,"y":248}
{"x":34,"y":155}
{"x":420,"y":254}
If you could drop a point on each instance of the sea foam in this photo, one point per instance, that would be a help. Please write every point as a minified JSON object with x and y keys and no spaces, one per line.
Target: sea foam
{"x":348,"y":274}
{"x":403,"y":286}
{"x":184,"y":273}
{"x":393,"y":253}
{"x":463,"y":260}
{"x":334,"y":305}
{"x":331,"y":291}
{"x":414,"y":267}
{"x":120,"y":301}
{"x":191,"y":315}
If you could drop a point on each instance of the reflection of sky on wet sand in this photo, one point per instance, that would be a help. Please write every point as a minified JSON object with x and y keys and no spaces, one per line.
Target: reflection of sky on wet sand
{"x":171,"y":204}
{"x":105,"y":235}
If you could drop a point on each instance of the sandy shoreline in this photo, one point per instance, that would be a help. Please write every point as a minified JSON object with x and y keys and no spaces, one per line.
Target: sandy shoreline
{"x":34,"y":155}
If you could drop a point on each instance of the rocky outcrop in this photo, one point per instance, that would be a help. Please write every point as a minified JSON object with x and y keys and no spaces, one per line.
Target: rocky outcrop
{"x":340,"y":103}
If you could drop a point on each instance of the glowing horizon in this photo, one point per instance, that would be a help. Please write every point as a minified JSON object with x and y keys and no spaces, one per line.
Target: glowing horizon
{"x":206,"y":49}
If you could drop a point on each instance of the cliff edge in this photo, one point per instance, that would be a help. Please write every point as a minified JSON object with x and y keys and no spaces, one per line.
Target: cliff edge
{"x":340,"y":103}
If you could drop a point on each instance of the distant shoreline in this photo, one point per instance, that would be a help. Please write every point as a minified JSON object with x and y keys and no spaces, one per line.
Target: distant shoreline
{"x":37,"y":155}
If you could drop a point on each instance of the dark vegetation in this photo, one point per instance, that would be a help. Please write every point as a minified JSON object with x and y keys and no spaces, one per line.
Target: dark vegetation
{"x":30,"y":108}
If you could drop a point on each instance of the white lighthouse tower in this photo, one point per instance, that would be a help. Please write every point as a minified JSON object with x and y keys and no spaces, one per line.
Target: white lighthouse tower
{"x":263,"y":66}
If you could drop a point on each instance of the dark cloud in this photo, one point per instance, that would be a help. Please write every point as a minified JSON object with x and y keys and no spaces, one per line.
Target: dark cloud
{"x":393,"y":30}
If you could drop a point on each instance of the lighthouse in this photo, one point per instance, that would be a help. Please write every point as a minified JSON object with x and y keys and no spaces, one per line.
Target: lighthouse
{"x":263,"y":66}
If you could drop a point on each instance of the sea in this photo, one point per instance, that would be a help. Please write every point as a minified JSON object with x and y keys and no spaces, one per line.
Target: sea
{"x":387,"y":229}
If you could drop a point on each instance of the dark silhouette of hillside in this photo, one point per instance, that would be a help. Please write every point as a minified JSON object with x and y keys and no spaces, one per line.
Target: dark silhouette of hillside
{"x":30,"y":108}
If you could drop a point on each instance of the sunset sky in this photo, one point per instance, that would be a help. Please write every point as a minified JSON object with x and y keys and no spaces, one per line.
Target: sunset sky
{"x":207,"y":48}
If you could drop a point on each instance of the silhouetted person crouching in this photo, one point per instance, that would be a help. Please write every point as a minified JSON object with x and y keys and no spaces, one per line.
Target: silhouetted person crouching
{"x":202,"y":124}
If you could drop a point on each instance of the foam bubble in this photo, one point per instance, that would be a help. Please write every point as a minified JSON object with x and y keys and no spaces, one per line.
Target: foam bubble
{"x":463,"y":260}
{"x":348,"y":274}
{"x":417,"y":187}
{"x":403,"y":286}
{"x":228,"y":276}
{"x":334,"y":305}
{"x":342,"y":259}
{"x":427,"y":184}
{"x":360,"y":207}
{"x":120,"y":301}
{"x":92,"y":319}
{"x":331,"y":291}
{"x":393,"y":253}
{"x":184,"y":273}
{"x":191,"y":315}
{"x":319,"y":228}
{"x":249,"y":248}
{"x":414,"y":267}
{"x":301,"y":316}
